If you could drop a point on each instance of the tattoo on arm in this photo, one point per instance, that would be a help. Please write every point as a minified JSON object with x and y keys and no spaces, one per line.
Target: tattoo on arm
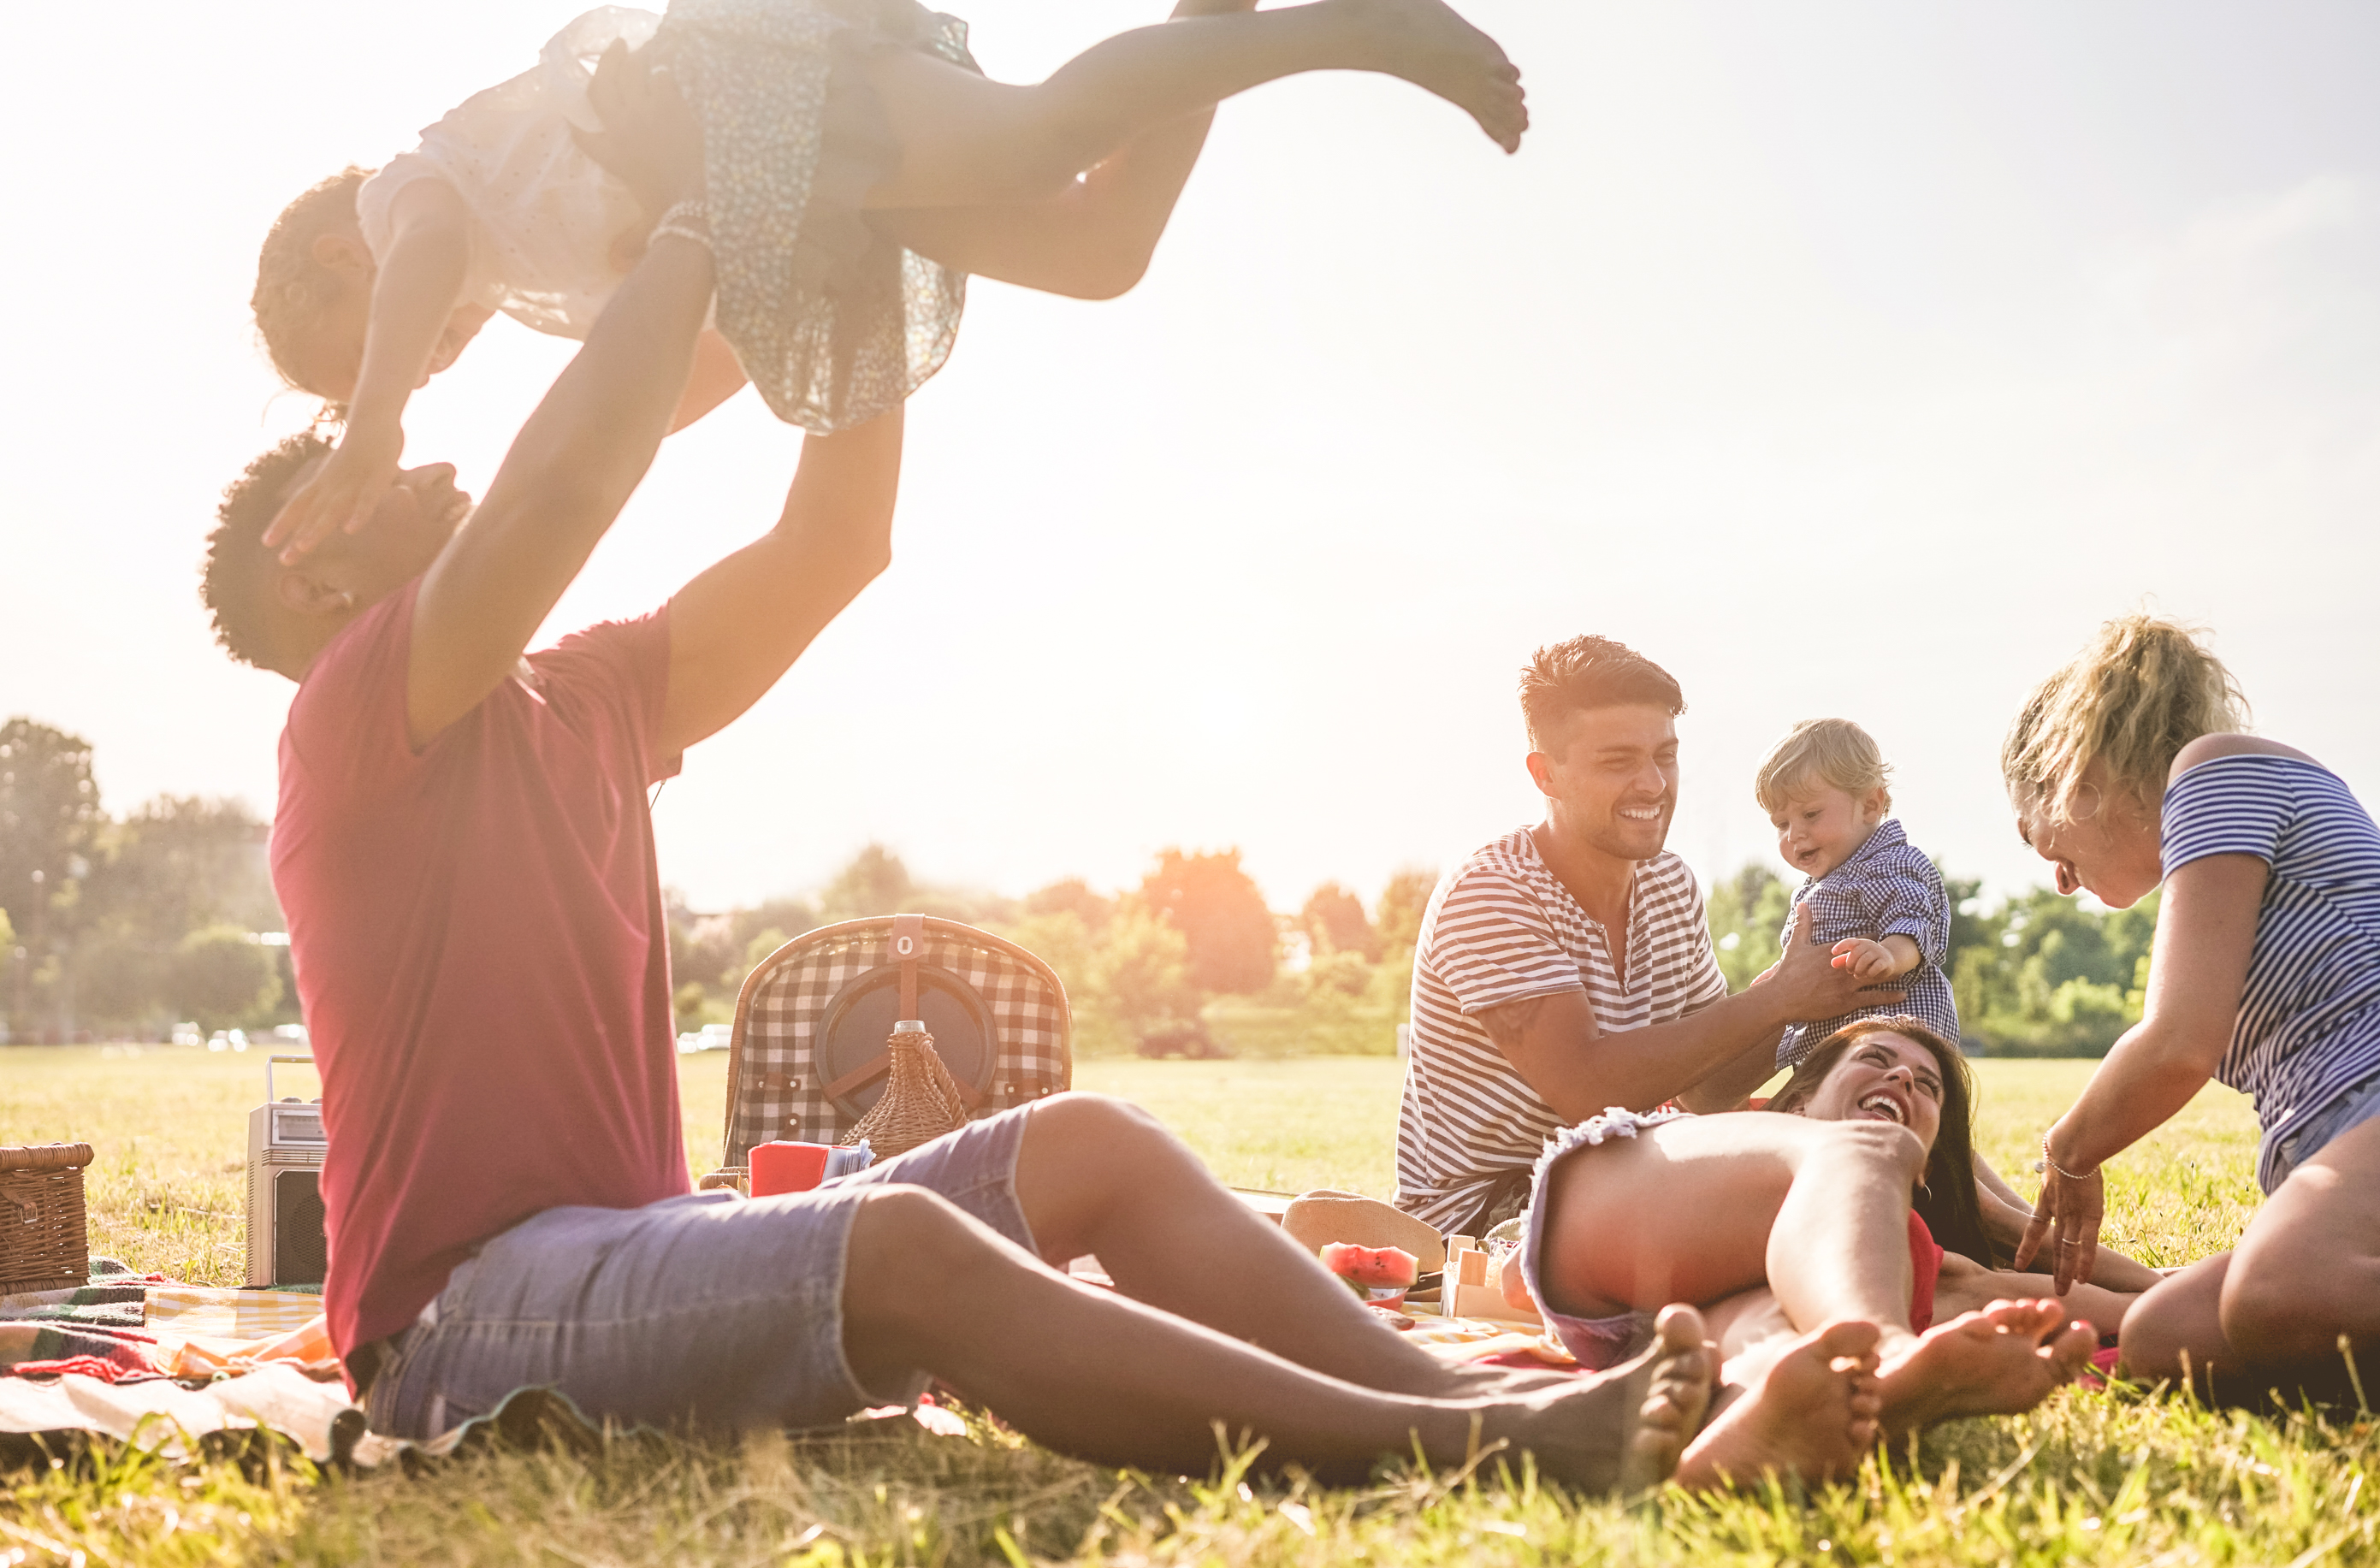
{"x":1509,"y":1023}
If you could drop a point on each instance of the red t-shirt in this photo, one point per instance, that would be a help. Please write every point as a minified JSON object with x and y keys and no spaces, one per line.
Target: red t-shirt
{"x":480,"y":947}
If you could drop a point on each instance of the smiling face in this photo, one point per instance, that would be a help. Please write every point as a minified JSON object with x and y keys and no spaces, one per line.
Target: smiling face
{"x":1613,"y":787}
{"x":1820,"y":827}
{"x":2110,"y":847}
{"x":1882,"y":1077}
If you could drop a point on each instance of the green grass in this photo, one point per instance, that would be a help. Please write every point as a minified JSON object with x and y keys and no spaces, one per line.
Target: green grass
{"x":2088,"y":1478}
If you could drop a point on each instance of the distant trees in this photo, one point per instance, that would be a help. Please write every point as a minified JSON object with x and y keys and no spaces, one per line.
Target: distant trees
{"x":1334,"y":923}
{"x":220,"y":977}
{"x":1190,"y":957}
{"x":2037,"y":974}
{"x":1233,"y":942}
{"x":124,"y":926}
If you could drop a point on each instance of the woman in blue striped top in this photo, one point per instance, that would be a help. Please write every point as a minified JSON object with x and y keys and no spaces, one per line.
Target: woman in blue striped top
{"x":2126,"y":771}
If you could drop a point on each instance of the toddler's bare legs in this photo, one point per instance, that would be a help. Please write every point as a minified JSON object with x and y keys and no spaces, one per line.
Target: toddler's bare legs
{"x":969,"y":142}
{"x":1093,"y":239}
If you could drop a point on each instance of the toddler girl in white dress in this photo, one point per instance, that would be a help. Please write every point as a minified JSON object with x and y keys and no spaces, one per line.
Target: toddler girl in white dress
{"x":858,"y":168}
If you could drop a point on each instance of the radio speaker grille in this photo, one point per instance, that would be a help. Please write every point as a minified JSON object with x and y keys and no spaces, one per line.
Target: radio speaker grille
{"x":300,"y":1255}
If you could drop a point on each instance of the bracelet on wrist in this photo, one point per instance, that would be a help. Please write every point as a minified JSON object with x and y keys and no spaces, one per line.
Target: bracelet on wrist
{"x":2049,"y":1162}
{"x":689,"y":219}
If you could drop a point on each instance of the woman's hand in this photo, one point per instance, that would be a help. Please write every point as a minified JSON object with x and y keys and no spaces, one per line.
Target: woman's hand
{"x":650,"y":139}
{"x":2070,"y":1207}
{"x":343,"y":493}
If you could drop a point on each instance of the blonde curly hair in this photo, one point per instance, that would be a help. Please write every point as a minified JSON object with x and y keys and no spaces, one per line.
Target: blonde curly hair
{"x":1834,"y":751}
{"x":2138,"y":692}
{"x":292,"y":289}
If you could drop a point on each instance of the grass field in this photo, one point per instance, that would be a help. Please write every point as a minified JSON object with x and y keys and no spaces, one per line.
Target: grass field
{"x":2088,"y":1478}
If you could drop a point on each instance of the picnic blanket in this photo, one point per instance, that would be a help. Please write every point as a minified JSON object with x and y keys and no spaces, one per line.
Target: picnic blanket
{"x":123,"y":1327}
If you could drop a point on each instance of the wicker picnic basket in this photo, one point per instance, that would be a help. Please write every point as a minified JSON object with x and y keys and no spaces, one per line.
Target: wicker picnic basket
{"x":45,"y":1243}
{"x":814,"y":1055}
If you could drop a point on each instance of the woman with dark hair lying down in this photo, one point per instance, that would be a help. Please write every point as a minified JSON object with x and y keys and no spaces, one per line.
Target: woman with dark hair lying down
{"x":1780,"y":1225}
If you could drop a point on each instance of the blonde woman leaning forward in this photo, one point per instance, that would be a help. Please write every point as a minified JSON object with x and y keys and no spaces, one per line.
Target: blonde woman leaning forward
{"x":2127,"y":770}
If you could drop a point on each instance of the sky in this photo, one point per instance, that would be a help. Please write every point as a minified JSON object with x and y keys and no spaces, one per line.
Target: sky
{"x":1845,"y":358}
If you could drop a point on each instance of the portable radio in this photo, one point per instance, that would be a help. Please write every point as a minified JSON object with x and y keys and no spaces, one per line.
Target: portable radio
{"x":285,"y":1244}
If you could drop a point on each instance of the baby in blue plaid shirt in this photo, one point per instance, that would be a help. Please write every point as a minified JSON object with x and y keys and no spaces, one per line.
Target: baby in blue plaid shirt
{"x":1875,"y":899}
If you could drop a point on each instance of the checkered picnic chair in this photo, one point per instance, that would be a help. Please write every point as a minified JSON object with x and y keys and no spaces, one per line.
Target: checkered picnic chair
{"x":805,"y":1064}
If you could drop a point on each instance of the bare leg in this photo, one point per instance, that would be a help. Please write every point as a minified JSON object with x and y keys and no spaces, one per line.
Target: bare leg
{"x":2174,"y":1333}
{"x":1099,"y":1176}
{"x":1093,"y":240}
{"x":716,"y":377}
{"x":1817,"y":1210}
{"x":969,"y":142}
{"x":1094,"y":1374}
{"x":2306,"y":1275}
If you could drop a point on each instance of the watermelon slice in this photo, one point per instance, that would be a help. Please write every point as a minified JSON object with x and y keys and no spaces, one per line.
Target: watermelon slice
{"x":1380,"y":1275}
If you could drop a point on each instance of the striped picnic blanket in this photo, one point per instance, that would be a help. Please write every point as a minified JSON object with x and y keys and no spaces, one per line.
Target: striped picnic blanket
{"x":124,"y":1328}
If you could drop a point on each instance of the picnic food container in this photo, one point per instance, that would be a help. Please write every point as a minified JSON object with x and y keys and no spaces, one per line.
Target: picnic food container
{"x":44,"y":1243}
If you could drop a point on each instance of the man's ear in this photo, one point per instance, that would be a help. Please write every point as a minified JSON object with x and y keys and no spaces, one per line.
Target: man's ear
{"x":1541,"y":771}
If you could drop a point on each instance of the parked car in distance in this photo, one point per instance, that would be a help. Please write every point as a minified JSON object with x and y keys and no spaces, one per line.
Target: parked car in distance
{"x":188,"y":1034}
{"x":710,"y":1037}
{"x":228,"y":1039}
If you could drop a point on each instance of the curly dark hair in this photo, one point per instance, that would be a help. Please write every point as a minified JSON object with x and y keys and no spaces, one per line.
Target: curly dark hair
{"x":1946,"y":1200}
{"x":232,"y":579}
{"x":292,"y":288}
{"x":1584,"y":673}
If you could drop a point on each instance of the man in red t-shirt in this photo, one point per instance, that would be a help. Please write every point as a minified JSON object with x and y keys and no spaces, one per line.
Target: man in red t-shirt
{"x":465,"y":854}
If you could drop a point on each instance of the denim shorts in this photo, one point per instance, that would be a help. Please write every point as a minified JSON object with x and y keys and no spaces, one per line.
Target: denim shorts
{"x":1599,"y":1343}
{"x":711,"y":1309}
{"x":2310,"y":1134}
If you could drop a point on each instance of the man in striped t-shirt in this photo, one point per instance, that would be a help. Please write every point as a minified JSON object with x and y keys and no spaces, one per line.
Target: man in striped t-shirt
{"x":1527,"y":1016}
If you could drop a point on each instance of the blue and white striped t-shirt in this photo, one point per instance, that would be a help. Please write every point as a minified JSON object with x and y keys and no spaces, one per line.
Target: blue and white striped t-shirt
{"x":2309,"y":1025}
{"x":1503,"y":929}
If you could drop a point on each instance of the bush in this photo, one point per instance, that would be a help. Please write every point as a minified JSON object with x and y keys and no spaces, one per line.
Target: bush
{"x":223,"y":978}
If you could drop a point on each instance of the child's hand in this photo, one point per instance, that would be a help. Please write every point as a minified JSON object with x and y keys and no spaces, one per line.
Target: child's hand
{"x":1866,"y":960}
{"x":343,"y":493}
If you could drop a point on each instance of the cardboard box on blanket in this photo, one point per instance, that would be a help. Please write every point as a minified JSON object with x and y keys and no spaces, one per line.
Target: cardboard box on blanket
{"x":809,"y":1058}
{"x":45,"y":1238}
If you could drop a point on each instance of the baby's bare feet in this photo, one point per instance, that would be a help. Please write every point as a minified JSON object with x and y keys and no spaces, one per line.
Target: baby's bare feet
{"x":1812,"y":1413}
{"x":1999,"y":1361}
{"x":1427,"y":44}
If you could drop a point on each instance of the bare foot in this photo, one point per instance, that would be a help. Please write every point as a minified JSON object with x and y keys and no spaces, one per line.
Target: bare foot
{"x":1623,"y":1427}
{"x":1676,"y":1395}
{"x":2001,"y":1360}
{"x":1427,"y":44}
{"x":1813,"y":1413}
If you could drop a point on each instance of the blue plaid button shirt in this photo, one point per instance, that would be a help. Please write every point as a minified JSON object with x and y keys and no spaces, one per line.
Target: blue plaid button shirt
{"x":1887,"y":886}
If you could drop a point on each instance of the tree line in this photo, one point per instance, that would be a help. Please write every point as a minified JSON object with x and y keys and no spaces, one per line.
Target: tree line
{"x":120,"y":927}
{"x":2036,"y":975}
{"x":1192,"y":961}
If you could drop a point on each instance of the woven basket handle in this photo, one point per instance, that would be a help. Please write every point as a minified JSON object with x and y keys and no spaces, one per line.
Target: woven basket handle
{"x":46,"y":1157}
